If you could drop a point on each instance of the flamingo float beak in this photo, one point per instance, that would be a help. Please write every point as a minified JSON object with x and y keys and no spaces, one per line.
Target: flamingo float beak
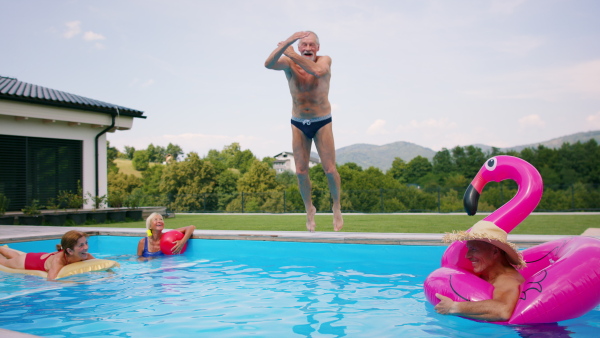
{"x":471,"y":200}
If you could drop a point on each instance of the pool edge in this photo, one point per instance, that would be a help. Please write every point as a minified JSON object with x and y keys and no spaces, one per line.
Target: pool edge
{"x":11,"y":234}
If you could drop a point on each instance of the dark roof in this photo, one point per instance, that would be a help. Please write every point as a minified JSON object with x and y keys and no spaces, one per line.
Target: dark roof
{"x":13,"y":89}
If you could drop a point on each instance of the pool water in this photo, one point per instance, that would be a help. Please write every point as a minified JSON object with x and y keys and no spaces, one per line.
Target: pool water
{"x":221,"y":288}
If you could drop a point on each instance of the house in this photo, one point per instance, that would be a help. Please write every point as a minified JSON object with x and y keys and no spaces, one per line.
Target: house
{"x":52,"y":141}
{"x":285,"y":162}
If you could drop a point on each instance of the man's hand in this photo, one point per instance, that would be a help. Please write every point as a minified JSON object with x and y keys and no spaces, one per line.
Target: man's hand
{"x":297,"y":36}
{"x":445,"y":306}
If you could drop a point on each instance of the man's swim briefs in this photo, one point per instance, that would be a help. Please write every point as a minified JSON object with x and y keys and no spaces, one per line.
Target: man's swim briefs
{"x":310,"y":127}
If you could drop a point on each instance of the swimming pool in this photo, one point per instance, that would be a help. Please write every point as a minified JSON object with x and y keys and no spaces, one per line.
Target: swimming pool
{"x":226,"y":288}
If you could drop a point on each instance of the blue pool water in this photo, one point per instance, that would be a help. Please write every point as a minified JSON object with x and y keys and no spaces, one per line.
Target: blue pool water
{"x":225,"y":288}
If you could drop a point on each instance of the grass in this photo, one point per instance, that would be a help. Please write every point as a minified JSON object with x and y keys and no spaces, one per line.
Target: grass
{"x":126,"y":167}
{"x":572,"y":224}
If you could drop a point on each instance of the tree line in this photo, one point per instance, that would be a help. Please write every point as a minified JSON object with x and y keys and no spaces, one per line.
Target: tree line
{"x":235,"y":180}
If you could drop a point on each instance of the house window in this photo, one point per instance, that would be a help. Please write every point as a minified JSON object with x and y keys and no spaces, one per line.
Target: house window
{"x":38,"y":168}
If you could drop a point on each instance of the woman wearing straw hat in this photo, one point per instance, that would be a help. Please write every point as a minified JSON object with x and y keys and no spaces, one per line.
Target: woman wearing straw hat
{"x":496,"y":261}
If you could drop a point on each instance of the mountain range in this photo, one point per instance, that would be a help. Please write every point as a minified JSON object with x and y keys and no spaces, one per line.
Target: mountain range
{"x":369,"y":155}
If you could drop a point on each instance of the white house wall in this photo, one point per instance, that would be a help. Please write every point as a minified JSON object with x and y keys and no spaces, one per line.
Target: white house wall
{"x":20,"y":119}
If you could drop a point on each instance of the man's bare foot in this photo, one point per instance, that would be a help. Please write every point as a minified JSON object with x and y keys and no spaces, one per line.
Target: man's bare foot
{"x":310,"y":219}
{"x":338,"y":221}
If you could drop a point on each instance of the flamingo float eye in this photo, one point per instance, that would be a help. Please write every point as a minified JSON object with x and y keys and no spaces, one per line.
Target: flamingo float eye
{"x":491,"y":164}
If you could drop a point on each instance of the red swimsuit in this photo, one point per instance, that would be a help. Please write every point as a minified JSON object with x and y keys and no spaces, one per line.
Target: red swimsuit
{"x":34,"y":261}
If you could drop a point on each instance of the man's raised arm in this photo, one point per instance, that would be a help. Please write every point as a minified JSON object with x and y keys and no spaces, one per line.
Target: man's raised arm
{"x":317,"y":69}
{"x":274,"y":60}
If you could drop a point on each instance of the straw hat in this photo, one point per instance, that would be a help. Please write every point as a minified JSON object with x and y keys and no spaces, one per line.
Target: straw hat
{"x":489,"y":232}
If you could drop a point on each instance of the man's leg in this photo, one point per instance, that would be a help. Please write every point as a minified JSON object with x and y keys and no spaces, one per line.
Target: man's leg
{"x":326,"y":148}
{"x":301,"y":149}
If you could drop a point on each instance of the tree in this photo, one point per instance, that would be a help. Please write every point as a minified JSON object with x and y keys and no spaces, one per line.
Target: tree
{"x":238,"y":159}
{"x":111,"y":155}
{"x":217,"y":159}
{"x":120,"y":186}
{"x":442,"y":162}
{"x":258,"y":189}
{"x":151,"y":179}
{"x":475,"y":159}
{"x":141,"y":160}
{"x":366,"y":192}
{"x":259,"y":178}
{"x":398,"y":170}
{"x":231,"y":157}
{"x":129,"y":152}
{"x":174,"y":150}
{"x":456,"y":181}
{"x":269,"y":160}
{"x":156,"y":154}
{"x":417,"y":168}
{"x":189,"y":184}
{"x":286,"y":178}
{"x":226,"y":188}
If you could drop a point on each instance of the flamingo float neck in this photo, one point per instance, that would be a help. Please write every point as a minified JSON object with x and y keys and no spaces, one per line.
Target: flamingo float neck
{"x":529,"y":194}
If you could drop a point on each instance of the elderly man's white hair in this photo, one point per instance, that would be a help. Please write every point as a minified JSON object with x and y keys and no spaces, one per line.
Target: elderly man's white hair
{"x":316,"y":36}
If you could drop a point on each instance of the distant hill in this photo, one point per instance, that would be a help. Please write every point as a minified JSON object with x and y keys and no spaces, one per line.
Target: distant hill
{"x":553,"y":143}
{"x":368,"y":155}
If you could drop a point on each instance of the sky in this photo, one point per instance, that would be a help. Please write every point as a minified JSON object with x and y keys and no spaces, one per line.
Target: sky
{"x":437,"y":73}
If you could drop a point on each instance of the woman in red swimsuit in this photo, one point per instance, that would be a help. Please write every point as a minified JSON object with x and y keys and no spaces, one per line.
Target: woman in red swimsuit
{"x":73,"y":248}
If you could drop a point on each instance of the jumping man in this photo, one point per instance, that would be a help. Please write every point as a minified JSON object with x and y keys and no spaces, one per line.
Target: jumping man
{"x":308,"y":77}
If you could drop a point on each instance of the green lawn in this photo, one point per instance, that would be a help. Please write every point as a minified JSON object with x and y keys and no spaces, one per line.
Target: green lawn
{"x":573,"y":224}
{"x":126,"y":167}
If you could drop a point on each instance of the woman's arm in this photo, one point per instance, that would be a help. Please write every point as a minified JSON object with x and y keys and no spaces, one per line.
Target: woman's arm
{"x":55,"y":266}
{"x":140,"y":247}
{"x":187,"y":231}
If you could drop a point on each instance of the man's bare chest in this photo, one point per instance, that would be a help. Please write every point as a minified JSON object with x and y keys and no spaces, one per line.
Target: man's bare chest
{"x":305,"y":83}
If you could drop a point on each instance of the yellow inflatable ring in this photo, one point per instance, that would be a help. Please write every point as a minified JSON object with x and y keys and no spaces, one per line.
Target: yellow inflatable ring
{"x":68,"y":270}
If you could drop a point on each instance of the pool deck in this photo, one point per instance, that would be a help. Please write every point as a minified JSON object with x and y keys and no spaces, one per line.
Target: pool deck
{"x":21,"y":233}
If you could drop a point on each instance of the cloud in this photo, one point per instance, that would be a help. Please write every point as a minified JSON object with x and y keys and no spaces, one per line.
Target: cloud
{"x":73,"y":29}
{"x":533,"y":120}
{"x":377,"y":128}
{"x":91,"y":36}
{"x":593,"y":121}
{"x":148,"y":83}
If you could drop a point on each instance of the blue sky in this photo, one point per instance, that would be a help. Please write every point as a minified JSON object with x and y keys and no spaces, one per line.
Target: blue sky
{"x":435,"y":73}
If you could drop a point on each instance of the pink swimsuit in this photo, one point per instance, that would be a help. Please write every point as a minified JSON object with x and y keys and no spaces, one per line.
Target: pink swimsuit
{"x":34,"y":261}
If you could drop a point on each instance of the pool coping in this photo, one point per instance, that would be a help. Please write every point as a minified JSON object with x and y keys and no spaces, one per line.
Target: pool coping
{"x":11,"y":234}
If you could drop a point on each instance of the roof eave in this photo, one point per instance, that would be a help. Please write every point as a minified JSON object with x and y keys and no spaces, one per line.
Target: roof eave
{"x":122,"y":110}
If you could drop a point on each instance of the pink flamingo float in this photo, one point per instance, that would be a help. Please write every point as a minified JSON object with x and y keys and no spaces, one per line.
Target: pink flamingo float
{"x":562,"y":277}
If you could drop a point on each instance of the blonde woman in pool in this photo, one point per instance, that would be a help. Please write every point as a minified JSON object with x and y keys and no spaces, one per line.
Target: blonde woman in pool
{"x":149,"y":246}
